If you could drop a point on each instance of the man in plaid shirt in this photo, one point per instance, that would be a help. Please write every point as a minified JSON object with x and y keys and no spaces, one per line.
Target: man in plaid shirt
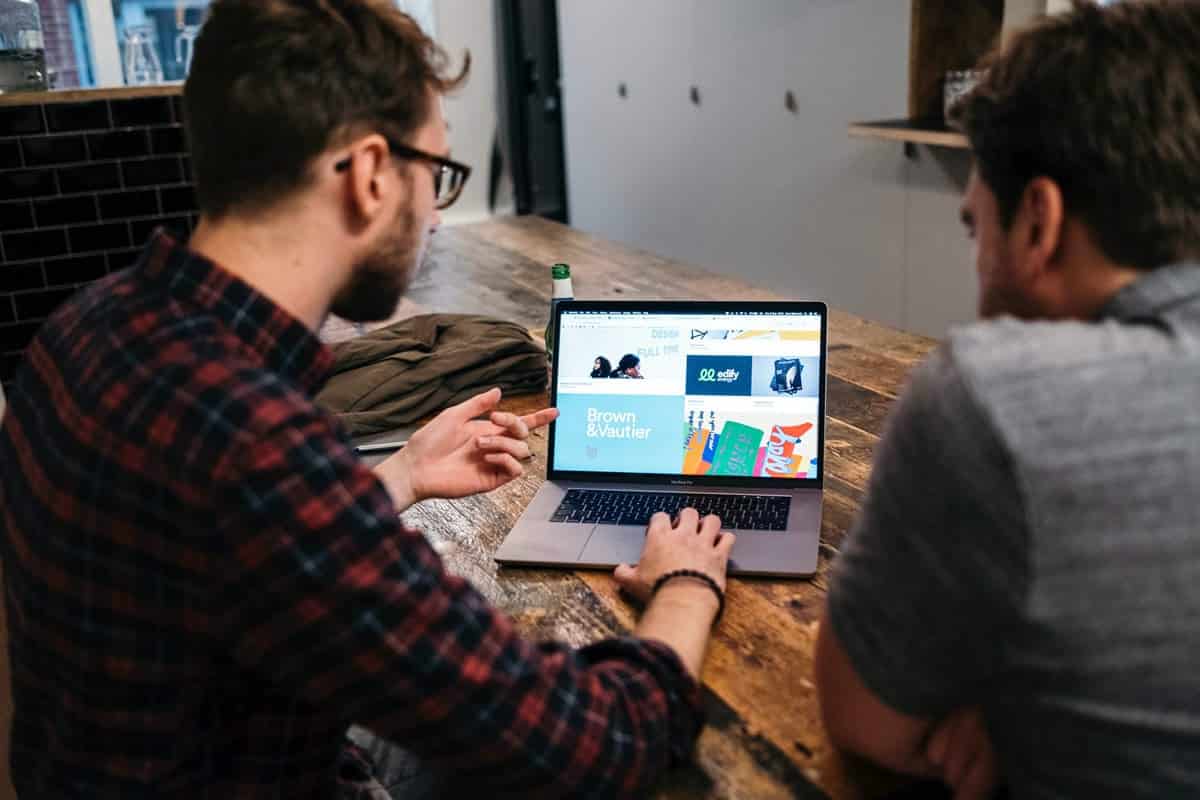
{"x":205,"y":587}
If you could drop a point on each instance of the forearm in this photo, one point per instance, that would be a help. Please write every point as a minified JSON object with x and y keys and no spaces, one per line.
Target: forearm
{"x":681,"y":616}
{"x":857,"y":721}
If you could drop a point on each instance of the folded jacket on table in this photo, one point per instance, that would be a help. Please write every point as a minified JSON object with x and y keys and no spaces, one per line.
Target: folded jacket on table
{"x":416,"y":367}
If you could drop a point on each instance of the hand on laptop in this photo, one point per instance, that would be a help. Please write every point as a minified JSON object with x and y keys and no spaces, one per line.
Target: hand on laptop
{"x":688,"y":543}
{"x":457,"y":455}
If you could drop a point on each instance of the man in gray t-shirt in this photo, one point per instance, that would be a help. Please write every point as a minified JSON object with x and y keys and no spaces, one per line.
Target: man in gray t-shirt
{"x":1020,"y":598}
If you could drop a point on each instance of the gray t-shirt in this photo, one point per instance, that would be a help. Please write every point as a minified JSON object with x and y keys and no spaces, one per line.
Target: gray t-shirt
{"x":1030,"y":543}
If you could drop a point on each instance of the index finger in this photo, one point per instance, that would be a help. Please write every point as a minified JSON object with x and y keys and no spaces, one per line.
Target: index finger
{"x":540,"y":419}
{"x":512,"y":424}
{"x":476,"y":406}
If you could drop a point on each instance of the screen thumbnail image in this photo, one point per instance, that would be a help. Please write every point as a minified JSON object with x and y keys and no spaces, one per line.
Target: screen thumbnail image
{"x":635,"y":353}
{"x":618,"y":433}
{"x":761,"y":444}
{"x":784,"y":376}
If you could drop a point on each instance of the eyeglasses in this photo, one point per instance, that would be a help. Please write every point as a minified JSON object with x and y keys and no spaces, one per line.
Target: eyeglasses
{"x":449,"y":176}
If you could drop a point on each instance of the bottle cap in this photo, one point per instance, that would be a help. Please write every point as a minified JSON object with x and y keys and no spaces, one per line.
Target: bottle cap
{"x":560,"y":272}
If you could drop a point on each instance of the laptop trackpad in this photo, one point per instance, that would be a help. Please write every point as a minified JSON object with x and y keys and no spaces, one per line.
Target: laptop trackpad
{"x":610,"y":545}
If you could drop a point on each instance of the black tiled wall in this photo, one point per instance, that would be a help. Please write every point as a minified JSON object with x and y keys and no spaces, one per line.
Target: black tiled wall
{"x":82,"y":185}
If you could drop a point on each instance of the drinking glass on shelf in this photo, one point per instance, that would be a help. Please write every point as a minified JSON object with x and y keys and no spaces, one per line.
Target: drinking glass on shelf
{"x":142,"y":66}
{"x":185,"y":43}
{"x":959,"y":82}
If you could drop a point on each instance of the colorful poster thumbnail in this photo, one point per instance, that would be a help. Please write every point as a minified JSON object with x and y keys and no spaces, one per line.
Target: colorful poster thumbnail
{"x":739,"y":449}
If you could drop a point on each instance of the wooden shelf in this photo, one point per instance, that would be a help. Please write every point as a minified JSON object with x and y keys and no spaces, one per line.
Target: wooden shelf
{"x":84,"y":95}
{"x":931,"y":132}
{"x":945,"y":35}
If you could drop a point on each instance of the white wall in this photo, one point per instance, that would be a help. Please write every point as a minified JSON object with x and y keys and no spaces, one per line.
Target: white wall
{"x":472,"y":111}
{"x":741,"y":185}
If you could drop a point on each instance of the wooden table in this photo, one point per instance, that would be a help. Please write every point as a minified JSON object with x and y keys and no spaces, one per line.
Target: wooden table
{"x":764,"y":738}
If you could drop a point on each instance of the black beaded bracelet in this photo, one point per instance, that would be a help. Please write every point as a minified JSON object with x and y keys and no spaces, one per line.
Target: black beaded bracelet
{"x":692,"y":573}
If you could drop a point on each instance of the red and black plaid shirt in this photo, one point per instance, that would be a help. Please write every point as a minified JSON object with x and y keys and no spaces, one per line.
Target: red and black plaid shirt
{"x":205,"y":586}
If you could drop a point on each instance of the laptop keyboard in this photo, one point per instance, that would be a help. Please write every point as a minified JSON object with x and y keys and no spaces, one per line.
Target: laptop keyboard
{"x":737,"y":511}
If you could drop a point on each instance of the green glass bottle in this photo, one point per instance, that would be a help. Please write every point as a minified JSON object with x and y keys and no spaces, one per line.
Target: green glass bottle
{"x":561,"y":275}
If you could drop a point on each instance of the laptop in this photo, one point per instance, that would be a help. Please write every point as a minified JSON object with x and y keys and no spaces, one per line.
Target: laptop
{"x":668,"y":404}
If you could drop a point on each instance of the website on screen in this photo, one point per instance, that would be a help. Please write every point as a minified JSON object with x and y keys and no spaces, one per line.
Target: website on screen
{"x":734,"y":394}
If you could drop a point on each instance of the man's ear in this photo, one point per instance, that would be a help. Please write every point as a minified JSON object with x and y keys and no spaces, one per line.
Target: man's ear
{"x":1036,"y":236}
{"x":369,"y":180}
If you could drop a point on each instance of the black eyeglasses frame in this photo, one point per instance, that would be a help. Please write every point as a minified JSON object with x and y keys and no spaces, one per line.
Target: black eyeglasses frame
{"x":448,"y":167}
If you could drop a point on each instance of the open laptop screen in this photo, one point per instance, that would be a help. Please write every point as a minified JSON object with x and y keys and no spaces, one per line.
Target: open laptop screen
{"x":714,"y":393}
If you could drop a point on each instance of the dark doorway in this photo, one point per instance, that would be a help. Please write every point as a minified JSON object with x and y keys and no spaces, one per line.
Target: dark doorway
{"x":531,"y":124}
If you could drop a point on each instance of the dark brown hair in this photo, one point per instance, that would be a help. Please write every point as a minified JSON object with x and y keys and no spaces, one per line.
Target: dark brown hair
{"x":273,"y":83}
{"x":1105,"y":102}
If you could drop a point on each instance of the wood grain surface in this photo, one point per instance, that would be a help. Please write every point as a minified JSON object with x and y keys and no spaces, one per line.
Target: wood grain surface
{"x":764,"y":738}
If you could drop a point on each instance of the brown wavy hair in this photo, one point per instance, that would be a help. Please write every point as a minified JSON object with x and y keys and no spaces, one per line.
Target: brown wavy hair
{"x":273,"y":83}
{"x":1105,"y":102}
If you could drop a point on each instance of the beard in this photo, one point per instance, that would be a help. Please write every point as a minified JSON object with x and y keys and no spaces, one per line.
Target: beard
{"x":1003,"y":298}
{"x":381,"y":279}
{"x":1001,"y":290}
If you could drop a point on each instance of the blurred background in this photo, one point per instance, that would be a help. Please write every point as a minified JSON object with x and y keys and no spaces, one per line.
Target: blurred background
{"x":710,"y":131}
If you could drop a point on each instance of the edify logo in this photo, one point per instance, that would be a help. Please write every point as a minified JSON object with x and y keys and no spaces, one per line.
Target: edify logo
{"x":730,"y":375}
